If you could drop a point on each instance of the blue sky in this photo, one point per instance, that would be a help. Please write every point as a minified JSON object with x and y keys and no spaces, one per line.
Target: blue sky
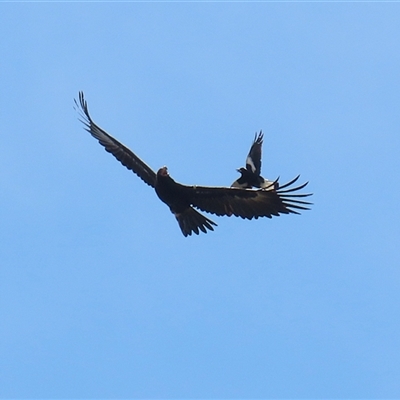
{"x":101,"y":295}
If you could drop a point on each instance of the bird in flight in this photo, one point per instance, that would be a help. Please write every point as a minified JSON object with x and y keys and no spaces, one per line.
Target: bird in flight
{"x":183,"y":200}
{"x":251,"y":175}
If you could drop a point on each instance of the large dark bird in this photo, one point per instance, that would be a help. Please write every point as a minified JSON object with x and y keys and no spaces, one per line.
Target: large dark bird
{"x":181,"y":199}
{"x":251,"y":175}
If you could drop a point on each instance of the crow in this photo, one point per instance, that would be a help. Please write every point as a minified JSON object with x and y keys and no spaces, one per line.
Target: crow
{"x":251,"y":175}
{"x":182,"y":199}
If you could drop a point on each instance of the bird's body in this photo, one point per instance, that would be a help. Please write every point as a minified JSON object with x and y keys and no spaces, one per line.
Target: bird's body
{"x":176,"y":197}
{"x":182,"y":199}
{"x":250,"y":177}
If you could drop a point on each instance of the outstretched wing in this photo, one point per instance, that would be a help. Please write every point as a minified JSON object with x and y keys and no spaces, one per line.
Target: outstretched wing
{"x":248,"y":203}
{"x":253,"y":160}
{"x":117,"y":149}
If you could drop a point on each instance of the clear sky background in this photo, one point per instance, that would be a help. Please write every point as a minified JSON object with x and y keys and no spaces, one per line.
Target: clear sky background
{"x":100,"y":293}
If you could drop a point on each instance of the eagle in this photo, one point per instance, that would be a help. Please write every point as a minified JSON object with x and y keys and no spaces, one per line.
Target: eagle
{"x":251,"y":175}
{"x":184,"y":201}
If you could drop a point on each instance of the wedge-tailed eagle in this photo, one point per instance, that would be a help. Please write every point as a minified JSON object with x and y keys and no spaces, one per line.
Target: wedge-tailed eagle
{"x":182,"y":200}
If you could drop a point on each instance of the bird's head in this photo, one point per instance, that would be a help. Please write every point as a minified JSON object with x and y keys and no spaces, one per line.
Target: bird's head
{"x":163,"y":171}
{"x":241,"y":170}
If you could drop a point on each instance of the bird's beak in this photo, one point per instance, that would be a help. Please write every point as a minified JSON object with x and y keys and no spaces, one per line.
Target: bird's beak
{"x":163,"y":171}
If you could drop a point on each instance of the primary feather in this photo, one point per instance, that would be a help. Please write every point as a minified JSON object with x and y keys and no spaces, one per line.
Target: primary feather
{"x":125,"y":156}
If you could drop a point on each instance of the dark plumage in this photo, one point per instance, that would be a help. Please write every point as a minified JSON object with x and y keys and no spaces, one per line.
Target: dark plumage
{"x":181,"y":199}
{"x":251,"y":175}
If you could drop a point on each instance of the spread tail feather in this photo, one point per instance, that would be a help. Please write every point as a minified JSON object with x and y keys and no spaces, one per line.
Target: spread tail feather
{"x":191,"y":220}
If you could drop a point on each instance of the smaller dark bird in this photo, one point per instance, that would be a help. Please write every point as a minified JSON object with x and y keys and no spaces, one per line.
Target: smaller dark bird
{"x":183,"y":199}
{"x":251,"y":175}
